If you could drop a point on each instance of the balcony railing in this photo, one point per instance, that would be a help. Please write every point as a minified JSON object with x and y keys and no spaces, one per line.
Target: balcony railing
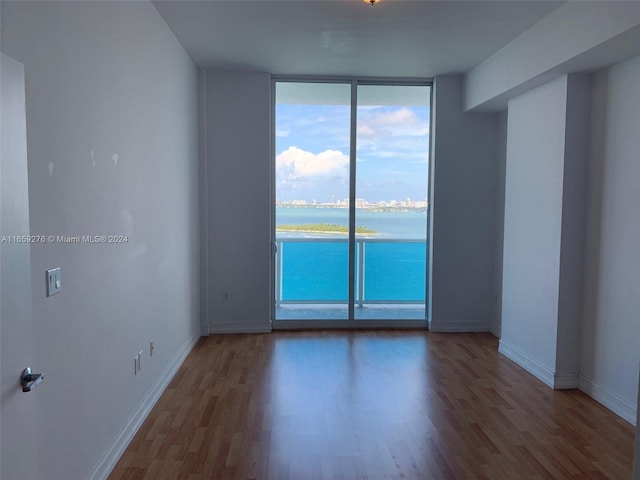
{"x":315,"y":271}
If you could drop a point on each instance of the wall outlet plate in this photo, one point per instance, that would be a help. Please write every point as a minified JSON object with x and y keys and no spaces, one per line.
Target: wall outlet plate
{"x":54,"y":281}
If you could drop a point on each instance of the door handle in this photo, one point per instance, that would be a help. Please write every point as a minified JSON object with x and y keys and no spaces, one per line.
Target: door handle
{"x":30,"y":380}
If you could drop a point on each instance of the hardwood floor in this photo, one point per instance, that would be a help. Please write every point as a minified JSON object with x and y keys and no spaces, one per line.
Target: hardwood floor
{"x":370,"y":405}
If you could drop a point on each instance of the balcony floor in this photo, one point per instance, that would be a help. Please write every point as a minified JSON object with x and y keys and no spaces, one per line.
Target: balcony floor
{"x":340,"y":312}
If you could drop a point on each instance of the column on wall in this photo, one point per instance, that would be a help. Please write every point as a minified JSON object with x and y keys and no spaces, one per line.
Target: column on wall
{"x":547,"y":150}
{"x":465,"y":155}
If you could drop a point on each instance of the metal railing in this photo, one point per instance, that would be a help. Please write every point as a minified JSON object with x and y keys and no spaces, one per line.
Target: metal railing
{"x":361,"y":299}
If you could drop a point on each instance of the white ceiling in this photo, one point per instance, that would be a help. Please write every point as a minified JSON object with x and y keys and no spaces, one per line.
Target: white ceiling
{"x":395,"y":38}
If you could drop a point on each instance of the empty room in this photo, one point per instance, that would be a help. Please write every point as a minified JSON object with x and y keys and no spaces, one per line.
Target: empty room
{"x":319,"y":239}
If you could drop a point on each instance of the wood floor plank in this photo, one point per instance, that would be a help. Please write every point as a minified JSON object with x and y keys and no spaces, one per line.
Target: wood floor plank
{"x":370,"y":405}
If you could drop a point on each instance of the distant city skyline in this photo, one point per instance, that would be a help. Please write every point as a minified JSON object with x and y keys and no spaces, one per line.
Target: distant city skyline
{"x":360,"y":203}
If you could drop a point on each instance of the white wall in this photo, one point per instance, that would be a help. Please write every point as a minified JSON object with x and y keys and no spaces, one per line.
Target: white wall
{"x":544,"y":227}
{"x":611,"y":325}
{"x":532,"y":222}
{"x":577,"y":36}
{"x":112,"y":147}
{"x":501,"y":165}
{"x":238,"y":166}
{"x":576,"y":158}
{"x":203,"y":201}
{"x":464,"y":196}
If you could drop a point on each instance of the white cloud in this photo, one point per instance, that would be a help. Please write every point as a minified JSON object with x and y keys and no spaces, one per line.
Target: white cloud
{"x":402,"y":122}
{"x":366,"y":131}
{"x":282,"y":133}
{"x":295,"y":163}
{"x":404,"y":156}
{"x":403,"y":116}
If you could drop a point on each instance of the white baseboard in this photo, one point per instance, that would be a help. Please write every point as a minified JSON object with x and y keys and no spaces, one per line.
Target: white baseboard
{"x":531,"y":365}
{"x":565,"y":381}
{"x":609,"y":399}
{"x":217,"y":328}
{"x":121,"y":442}
{"x":555,"y":380}
{"x":458,"y":327}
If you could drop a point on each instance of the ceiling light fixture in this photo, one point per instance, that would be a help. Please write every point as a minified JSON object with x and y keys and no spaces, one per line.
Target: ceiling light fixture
{"x":372,"y":2}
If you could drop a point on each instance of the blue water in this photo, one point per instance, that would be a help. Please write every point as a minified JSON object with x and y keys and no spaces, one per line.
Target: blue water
{"x":400,"y":225}
{"x":316,"y":269}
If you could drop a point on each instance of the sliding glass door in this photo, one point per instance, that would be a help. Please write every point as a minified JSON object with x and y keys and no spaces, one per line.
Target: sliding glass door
{"x":391,"y":201}
{"x":312,"y":200}
{"x":351,"y":189}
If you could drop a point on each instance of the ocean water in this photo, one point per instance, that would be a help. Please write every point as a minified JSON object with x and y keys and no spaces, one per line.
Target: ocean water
{"x":398,"y":225}
{"x":315,"y":266}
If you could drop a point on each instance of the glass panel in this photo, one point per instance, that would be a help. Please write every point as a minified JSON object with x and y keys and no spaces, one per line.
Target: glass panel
{"x":396,"y":277}
{"x":391,"y":201}
{"x":314,"y":270}
{"x":312,"y":191}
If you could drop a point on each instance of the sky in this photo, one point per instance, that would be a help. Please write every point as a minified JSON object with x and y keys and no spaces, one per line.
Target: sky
{"x":312,"y":152}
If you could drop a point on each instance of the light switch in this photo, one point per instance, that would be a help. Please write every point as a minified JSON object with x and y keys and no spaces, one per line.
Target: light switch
{"x":54,"y":281}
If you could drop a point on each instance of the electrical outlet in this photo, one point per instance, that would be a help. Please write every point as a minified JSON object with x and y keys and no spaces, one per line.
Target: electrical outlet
{"x":152,"y":346}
